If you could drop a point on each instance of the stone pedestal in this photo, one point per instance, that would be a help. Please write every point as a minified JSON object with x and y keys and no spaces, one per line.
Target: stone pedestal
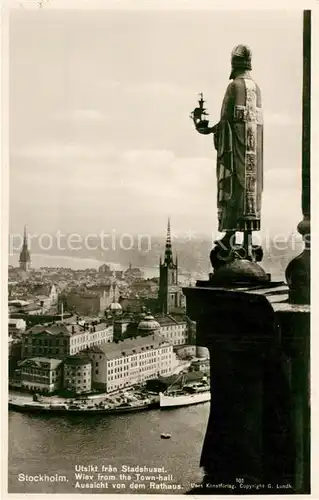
{"x":258,"y":428}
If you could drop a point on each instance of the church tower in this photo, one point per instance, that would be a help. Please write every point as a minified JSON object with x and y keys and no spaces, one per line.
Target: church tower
{"x":25,"y":259}
{"x":169,"y":294}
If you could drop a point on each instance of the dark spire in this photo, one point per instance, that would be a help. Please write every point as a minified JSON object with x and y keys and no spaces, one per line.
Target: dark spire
{"x":25,"y":241}
{"x":25,"y":254}
{"x":168,"y":247}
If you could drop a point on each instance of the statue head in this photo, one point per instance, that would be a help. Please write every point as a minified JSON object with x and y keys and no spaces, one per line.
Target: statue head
{"x":240,"y":59}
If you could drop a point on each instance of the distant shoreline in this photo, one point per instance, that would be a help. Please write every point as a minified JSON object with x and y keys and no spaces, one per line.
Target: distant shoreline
{"x":82,"y":263}
{"x":78,"y":263}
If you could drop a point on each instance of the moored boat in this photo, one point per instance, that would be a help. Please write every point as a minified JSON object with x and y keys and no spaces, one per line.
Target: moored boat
{"x":165,"y":435}
{"x":65,"y":408}
{"x":185,"y":394}
{"x":183,"y":398}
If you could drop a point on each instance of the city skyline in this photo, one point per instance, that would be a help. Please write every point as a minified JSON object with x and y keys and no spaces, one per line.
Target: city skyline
{"x":99,"y":117}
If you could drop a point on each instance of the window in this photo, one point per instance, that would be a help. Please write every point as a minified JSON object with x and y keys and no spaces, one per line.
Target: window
{"x":96,"y":372}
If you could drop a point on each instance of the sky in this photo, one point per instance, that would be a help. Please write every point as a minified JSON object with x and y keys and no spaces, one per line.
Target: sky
{"x":100,"y":134}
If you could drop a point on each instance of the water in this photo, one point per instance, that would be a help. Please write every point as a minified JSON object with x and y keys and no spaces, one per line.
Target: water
{"x":75,"y":263}
{"x":44,"y":444}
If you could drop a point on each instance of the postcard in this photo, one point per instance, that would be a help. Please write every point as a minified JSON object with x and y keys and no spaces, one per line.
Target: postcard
{"x":158,"y":281}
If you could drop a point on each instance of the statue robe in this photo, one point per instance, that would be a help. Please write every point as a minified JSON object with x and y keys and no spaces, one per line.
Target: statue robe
{"x":239,"y":144}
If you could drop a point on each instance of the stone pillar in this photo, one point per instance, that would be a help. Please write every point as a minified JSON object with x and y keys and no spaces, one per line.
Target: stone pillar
{"x":249,"y":442}
{"x":294,"y":322}
{"x":298,"y":270}
{"x":295,"y":317}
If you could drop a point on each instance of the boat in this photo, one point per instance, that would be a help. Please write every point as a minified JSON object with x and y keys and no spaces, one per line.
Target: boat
{"x":129,"y":408}
{"x":181,"y":398}
{"x":165,"y":435}
{"x":186,"y":395}
{"x":28,"y":407}
{"x":65,"y":408}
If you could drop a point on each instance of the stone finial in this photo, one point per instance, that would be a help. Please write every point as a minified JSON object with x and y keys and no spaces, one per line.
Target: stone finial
{"x":298,"y":270}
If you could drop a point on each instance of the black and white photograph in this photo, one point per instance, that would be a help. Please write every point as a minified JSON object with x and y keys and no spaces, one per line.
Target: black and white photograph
{"x":157,"y":278}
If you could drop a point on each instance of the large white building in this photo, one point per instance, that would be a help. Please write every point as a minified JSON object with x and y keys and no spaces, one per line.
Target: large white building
{"x":60,"y":340}
{"x":130,"y":362}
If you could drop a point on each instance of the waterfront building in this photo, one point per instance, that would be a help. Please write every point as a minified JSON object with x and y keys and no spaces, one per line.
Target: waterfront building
{"x":170,"y":296}
{"x":130,"y":362}
{"x":92,"y":300}
{"x":25,"y":258}
{"x":40,"y":374}
{"x":77,"y":374}
{"x":64,"y":339}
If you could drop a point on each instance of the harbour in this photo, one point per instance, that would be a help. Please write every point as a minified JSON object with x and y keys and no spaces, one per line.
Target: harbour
{"x":56,"y":444}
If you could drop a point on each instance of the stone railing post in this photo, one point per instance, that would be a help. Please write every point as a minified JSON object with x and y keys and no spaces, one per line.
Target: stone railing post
{"x":249,"y":443}
{"x":295,"y":317}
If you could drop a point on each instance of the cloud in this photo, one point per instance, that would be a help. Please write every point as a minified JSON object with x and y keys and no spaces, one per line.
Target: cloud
{"x":153,"y":158}
{"x":81,"y":115}
{"x":281,"y":119}
{"x":63,"y":151}
{"x":283,"y":179}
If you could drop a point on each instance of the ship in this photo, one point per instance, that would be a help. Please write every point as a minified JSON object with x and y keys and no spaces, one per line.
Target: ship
{"x":186,"y":395}
{"x":80,"y":409}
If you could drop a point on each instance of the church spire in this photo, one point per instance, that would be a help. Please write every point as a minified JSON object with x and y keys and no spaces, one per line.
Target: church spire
{"x":168,"y":293}
{"x":168,"y":246}
{"x":25,"y":258}
{"x":25,"y":242}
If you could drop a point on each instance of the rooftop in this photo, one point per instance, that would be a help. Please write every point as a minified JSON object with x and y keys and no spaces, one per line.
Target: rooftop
{"x":148,"y":323}
{"x":65,"y":329}
{"x":38,"y":362}
{"x":30,"y":307}
{"x":77,"y":360}
{"x":128,"y":347}
{"x":169,"y":319}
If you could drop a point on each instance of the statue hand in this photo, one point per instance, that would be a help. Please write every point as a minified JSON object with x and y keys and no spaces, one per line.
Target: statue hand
{"x":202,"y":126}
